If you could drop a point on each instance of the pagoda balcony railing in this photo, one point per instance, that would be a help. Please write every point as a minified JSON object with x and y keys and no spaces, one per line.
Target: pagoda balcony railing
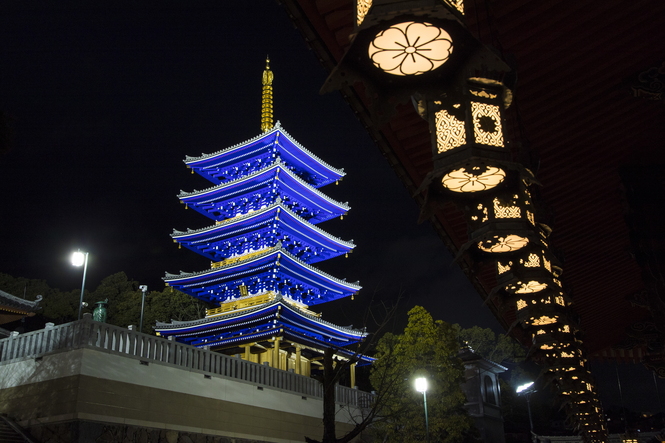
{"x":90,"y":334}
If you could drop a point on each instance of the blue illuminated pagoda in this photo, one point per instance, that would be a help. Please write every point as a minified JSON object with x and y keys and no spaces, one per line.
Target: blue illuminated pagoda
{"x":265,"y":204}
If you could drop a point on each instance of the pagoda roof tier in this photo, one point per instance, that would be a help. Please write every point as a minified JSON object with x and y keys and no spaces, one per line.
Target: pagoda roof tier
{"x":260,"y":229}
{"x":262,"y":188}
{"x":276,"y":270}
{"x":276,"y":318}
{"x":247,"y":157}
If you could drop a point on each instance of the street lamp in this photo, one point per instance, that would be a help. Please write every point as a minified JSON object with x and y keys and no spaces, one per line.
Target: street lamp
{"x":144,"y":289}
{"x":421,"y":386}
{"x":526,"y":389}
{"x":80,"y":258}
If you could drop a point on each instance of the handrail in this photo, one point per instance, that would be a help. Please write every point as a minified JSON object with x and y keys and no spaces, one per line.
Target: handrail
{"x":17,"y":429}
{"x":87,"y":333}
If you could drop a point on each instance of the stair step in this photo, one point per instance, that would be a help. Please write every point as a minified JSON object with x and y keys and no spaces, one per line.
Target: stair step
{"x":8,"y":434}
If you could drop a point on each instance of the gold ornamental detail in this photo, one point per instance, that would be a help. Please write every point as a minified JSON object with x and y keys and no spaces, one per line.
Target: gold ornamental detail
{"x":532,"y":262}
{"x":267,"y":122}
{"x":506,"y":211}
{"x":457,"y":4}
{"x":487,"y":124}
{"x":450,"y":132}
{"x":362,"y":8}
{"x":232,"y":260}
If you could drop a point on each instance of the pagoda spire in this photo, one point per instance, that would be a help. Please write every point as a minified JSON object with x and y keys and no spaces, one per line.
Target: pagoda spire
{"x":266,"y":100}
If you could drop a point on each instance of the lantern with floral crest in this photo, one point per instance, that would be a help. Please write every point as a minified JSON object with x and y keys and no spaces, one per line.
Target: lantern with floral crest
{"x":470,"y":153}
{"x":563,"y":330}
{"x":502,"y":223}
{"x":545,"y":311}
{"x":403,"y":48}
{"x":530,"y":271}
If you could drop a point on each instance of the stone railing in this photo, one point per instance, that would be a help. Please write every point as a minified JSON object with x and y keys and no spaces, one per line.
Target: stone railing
{"x":113,"y":339}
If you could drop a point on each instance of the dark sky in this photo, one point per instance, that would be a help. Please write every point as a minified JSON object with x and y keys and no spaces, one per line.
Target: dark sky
{"x":107,"y":97}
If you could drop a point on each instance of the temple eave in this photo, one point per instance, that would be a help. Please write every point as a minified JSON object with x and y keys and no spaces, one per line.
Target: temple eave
{"x":272,"y":141}
{"x":264,"y":215}
{"x":276,"y":311}
{"x":274,"y":258}
{"x":262,"y":177}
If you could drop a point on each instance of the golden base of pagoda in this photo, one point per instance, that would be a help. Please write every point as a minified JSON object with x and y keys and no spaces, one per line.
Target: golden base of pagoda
{"x":251,"y":301}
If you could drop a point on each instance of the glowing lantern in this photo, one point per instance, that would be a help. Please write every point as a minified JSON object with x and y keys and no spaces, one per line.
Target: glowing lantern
{"x":470,"y":154}
{"x":554,"y":334}
{"x":546,"y":313}
{"x":531,"y":271}
{"x":502,"y":224}
{"x":400,"y":49}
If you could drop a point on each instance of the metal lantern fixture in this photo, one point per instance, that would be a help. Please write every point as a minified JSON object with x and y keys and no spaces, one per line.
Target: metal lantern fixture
{"x":470,"y":153}
{"x":468,"y":124}
{"x":403,"y":48}
{"x":421,"y":51}
{"x":532,"y":275}
{"x":544,"y":309}
{"x":566,"y":356}
{"x":547,"y":336}
{"x":534,"y":263}
{"x":502,"y":223}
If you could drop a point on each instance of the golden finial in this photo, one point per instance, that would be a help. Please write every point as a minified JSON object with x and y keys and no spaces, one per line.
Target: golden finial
{"x":266,"y":101}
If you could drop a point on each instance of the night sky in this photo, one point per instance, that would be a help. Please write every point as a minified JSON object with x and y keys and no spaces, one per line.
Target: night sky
{"x":105,"y":99}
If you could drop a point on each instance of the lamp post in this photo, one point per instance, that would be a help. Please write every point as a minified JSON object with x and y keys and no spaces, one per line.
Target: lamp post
{"x":143,"y":289}
{"x":421,"y":386}
{"x":526,"y":389}
{"x":80,"y":258}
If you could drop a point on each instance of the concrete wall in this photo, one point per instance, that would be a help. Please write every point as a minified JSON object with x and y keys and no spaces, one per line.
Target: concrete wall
{"x":95,"y":386}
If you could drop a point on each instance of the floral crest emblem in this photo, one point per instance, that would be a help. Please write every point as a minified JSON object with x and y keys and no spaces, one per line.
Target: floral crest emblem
{"x":410,"y":48}
{"x":526,"y":287}
{"x":462,"y":180}
{"x":509,"y":243}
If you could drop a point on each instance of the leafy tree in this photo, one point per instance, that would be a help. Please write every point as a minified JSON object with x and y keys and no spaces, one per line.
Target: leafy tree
{"x":57,"y":306}
{"x":124,"y":300}
{"x":123,"y":296}
{"x":333,"y":371}
{"x":170,"y":304}
{"x":24,"y":287}
{"x":125,"y":303}
{"x":492,"y":346}
{"x":428,"y":347}
{"x":61,"y":307}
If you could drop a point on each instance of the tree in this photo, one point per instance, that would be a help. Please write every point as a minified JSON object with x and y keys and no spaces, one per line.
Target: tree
{"x":427,"y":347}
{"x":124,"y":307}
{"x":333,"y":369}
{"x":124,"y":300}
{"x":492,"y":346}
{"x":170,"y":304}
{"x":57,"y":306}
{"x":123,"y":296}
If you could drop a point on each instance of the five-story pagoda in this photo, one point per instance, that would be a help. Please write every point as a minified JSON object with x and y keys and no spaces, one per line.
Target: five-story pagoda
{"x":266,"y":206}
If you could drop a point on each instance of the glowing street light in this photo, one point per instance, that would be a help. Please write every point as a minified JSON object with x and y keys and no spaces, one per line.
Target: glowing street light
{"x":526,"y":389}
{"x":421,"y":386}
{"x":80,"y":258}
